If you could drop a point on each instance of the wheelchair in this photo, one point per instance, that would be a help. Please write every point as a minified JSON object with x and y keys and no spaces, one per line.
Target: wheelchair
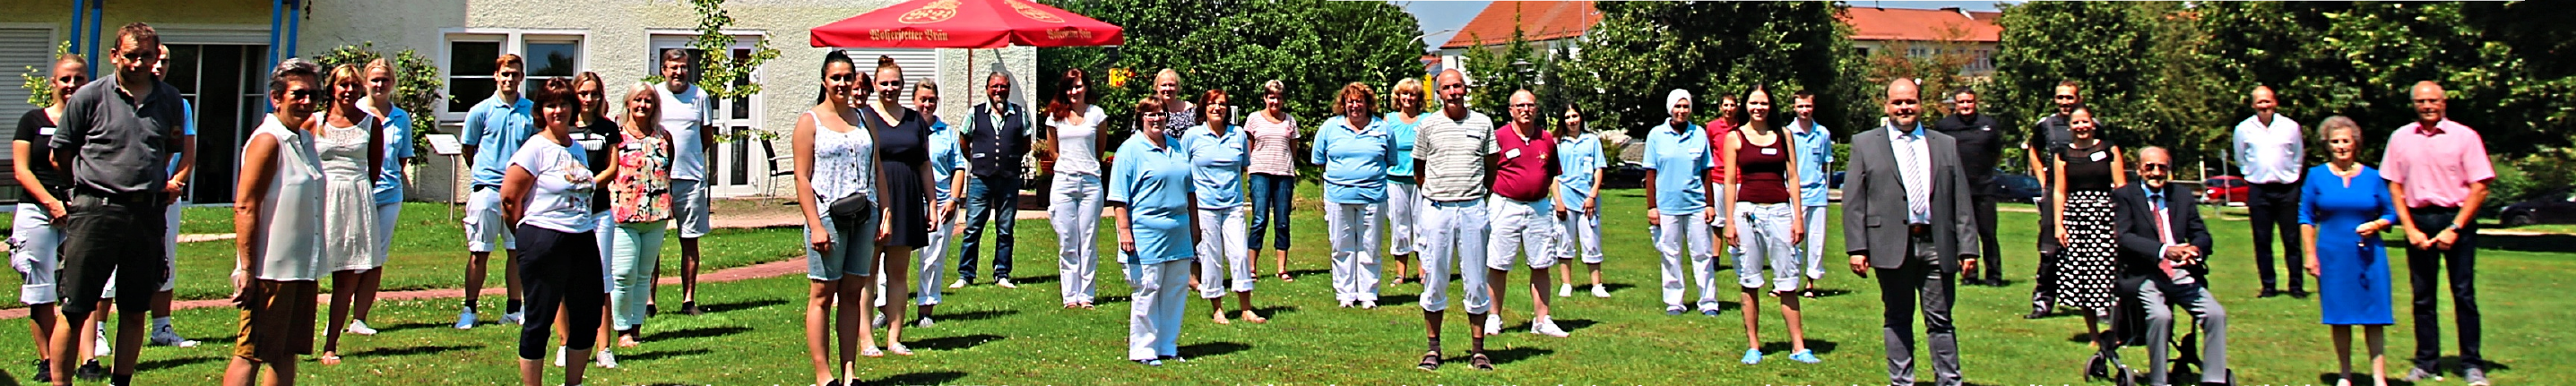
{"x":2128,"y":328}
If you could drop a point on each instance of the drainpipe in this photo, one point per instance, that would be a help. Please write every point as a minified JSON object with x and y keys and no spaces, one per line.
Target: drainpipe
{"x":294,"y":24}
{"x":276,"y":18}
{"x":79,"y":6}
{"x":95,"y":8}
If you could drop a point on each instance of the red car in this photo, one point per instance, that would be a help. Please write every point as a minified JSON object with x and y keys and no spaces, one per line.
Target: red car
{"x":2226,"y":190}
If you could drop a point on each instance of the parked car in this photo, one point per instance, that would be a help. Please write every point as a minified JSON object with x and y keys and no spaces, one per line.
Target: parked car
{"x":2018,"y":187}
{"x":1836,"y":182}
{"x":1625,"y":175}
{"x":2225,"y":190}
{"x":2556,"y":207}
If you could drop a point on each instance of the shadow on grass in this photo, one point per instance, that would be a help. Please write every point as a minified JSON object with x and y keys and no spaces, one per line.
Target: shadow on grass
{"x":1301,"y":273}
{"x":741,"y":305}
{"x":2361,"y":376}
{"x":1615,"y":287}
{"x":412,"y":326}
{"x":1405,"y":299}
{"x":1274,"y":310}
{"x":921,"y":378}
{"x":974,"y":315}
{"x":1111,"y":299}
{"x":1828,"y":292}
{"x":1210,"y":349}
{"x":172,"y":362}
{"x":1821,"y":347}
{"x":410,"y":351}
{"x":1034,"y":280}
{"x":1515,"y":354}
{"x":1572,"y":325}
{"x":698,"y":332}
{"x":960,"y":342}
{"x":2533,"y":243}
{"x":660,"y":355}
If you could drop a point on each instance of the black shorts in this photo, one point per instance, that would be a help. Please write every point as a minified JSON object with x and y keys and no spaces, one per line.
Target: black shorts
{"x":103,"y":237}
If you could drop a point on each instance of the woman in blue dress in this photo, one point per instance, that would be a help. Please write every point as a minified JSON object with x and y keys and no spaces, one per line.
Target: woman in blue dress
{"x":2343,"y":208}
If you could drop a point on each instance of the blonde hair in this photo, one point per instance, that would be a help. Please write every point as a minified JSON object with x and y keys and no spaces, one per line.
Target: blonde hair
{"x":1407,"y":86}
{"x":653,"y":117}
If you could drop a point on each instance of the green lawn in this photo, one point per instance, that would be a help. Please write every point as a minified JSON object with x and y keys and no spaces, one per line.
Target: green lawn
{"x":990,"y":335}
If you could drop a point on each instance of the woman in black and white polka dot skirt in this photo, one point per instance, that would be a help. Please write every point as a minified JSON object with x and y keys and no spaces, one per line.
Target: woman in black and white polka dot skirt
{"x":2086,"y":172}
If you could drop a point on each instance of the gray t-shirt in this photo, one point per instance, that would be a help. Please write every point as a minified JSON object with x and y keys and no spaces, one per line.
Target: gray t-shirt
{"x":120,"y":142}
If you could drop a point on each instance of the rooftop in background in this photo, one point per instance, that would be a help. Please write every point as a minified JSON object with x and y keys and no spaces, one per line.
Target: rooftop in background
{"x":1539,"y":21}
{"x":1873,"y":23}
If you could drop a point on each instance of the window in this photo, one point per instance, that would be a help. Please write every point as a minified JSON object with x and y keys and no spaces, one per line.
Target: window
{"x":550,"y":59}
{"x":470,"y":52}
{"x":469,"y":73}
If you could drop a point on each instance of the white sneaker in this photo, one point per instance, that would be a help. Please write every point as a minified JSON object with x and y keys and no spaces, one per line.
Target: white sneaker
{"x":559,"y":354}
{"x":1368,"y":304}
{"x":1346,"y":303}
{"x":1493,"y":324}
{"x":164,"y":335}
{"x":1545,"y":326}
{"x":1004,"y":283}
{"x":104,"y":347}
{"x":1565,"y":290}
{"x":925,"y":323}
{"x":359,"y":327}
{"x":960,"y":283}
{"x":604,"y":360}
{"x":511,"y":319}
{"x":1600,"y":292}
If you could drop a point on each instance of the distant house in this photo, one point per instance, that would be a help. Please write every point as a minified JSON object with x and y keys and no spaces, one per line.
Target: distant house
{"x":1923,"y":33}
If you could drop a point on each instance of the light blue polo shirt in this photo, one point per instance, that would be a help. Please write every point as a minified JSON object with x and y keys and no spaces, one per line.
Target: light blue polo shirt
{"x":496,"y":129}
{"x":1680,"y":160}
{"x":1153,"y":182}
{"x":1580,"y":161}
{"x":1815,"y":149}
{"x":1355,"y":160}
{"x":945,"y":160}
{"x":1402,"y":169}
{"x":1216,"y":165}
{"x":389,"y":179}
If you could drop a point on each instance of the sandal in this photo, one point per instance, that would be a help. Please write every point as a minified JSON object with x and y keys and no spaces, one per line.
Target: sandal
{"x":1248,"y":316}
{"x":330,"y":359}
{"x":871,"y":352}
{"x":1809,"y":293}
{"x":1283,"y":276}
{"x":898,"y":349}
{"x":1481,"y":362}
{"x":1088,"y":305}
{"x":1220,"y":318}
{"x":1430,"y":361}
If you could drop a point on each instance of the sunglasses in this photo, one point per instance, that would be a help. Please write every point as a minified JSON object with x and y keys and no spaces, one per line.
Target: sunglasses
{"x":303,"y":94}
{"x":2155,"y":167}
{"x":72,"y":79}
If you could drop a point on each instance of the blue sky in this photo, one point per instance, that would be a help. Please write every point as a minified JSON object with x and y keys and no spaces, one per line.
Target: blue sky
{"x":1445,"y":17}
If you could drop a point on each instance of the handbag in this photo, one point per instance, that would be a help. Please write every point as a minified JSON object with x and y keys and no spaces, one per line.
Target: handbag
{"x":848,"y":210}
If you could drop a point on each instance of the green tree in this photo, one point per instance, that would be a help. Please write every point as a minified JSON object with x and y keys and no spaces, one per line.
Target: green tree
{"x":38,"y":80}
{"x":416,"y":81}
{"x":722,"y":74}
{"x":2101,"y":45}
{"x":2504,"y":65}
{"x":1497,"y":71}
{"x":1641,"y":50}
{"x":1313,"y":47}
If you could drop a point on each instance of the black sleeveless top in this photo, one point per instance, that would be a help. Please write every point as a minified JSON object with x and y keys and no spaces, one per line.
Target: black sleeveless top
{"x":2089,"y":168}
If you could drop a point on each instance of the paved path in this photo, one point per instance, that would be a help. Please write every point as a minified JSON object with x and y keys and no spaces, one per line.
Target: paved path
{"x":756,"y":271}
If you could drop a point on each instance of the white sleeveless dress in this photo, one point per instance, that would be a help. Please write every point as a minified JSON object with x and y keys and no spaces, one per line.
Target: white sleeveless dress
{"x":289,"y":249}
{"x":348,"y":204}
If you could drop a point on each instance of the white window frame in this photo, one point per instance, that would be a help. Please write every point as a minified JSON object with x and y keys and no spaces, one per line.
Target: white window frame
{"x":513,"y":41}
{"x":755,"y":119}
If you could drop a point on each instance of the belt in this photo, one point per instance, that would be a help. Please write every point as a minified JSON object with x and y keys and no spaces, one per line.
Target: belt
{"x":128,"y":198}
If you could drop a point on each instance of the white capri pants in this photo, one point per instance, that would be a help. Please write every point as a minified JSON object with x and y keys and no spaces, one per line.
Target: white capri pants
{"x":35,"y":252}
{"x":1154,"y":318}
{"x":483,"y":223}
{"x":1527,"y":227}
{"x":1814,"y":247}
{"x":1670,"y":238}
{"x":1073,"y":206}
{"x":1765,"y":239}
{"x":1353,"y":228}
{"x":1581,"y":236}
{"x":1453,"y":236}
{"x":1402,"y":201}
{"x":1221,"y":251}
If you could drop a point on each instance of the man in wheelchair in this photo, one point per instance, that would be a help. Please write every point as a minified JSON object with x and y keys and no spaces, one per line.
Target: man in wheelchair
{"x":2162,"y":245}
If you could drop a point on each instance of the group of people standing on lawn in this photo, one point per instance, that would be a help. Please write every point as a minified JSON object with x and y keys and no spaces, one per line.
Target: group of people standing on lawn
{"x":579,"y":199}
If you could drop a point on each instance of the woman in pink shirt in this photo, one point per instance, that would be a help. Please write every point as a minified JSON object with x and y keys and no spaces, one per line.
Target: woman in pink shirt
{"x":1274,"y":177}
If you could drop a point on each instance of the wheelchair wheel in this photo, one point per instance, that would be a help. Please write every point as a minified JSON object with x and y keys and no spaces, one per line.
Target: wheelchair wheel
{"x":2125,"y":377}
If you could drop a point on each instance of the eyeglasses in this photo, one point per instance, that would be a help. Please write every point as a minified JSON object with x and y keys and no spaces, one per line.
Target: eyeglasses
{"x":1524,"y":105}
{"x":2156,"y":167}
{"x":137,"y":56}
{"x":303,"y":94}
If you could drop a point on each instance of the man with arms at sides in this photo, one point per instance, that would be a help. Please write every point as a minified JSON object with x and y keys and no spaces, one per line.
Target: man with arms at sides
{"x":1906,"y":216}
{"x":501,"y":123}
{"x":1980,"y":148}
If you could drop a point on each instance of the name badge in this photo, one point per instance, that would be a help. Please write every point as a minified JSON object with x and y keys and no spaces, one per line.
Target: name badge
{"x":1515,"y":153}
{"x":1770,"y":151}
{"x":2098,"y":156}
{"x":46,"y":131}
{"x":1987,"y":128}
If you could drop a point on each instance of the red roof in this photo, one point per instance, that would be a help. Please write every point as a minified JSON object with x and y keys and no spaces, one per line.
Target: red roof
{"x":1873,"y":23}
{"x":1539,"y":21}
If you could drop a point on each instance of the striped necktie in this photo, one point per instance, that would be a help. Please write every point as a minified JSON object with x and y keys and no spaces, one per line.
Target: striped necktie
{"x":1916,"y":172}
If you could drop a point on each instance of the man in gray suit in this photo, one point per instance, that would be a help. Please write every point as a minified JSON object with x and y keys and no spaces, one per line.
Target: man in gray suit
{"x":1906,"y":215}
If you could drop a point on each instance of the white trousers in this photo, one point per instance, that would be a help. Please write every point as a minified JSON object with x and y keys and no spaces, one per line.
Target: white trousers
{"x":1353,"y":229}
{"x":925,"y":282}
{"x":1814,"y":248}
{"x":1581,"y":237}
{"x":34,"y":251}
{"x":1402,"y":202}
{"x":1154,"y":317}
{"x":1523,"y":227}
{"x":1073,"y":206}
{"x":1687,"y":230}
{"x":1454,"y":238}
{"x":1221,"y":251}
{"x":1765,"y":240}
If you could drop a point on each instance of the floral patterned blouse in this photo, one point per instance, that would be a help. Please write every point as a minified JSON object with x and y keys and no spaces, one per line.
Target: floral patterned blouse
{"x":642,"y":188}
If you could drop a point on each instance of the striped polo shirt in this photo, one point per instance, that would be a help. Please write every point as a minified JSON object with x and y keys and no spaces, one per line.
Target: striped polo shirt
{"x":1450,"y":154}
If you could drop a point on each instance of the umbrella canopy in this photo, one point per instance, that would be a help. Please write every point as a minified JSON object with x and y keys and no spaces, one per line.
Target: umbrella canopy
{"x":967,"y":24}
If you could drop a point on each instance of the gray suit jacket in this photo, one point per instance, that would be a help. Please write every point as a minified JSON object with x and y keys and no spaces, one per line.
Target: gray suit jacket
{"x":1874,"y":202}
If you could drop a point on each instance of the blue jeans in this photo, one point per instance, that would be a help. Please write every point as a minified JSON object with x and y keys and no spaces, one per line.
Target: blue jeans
{"x":997,"y":199}
{"x":1272,"y":196}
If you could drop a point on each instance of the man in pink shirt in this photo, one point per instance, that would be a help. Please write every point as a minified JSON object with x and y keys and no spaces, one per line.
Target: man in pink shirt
{"x":1525,"y":170}
{"x":2438,"y":173}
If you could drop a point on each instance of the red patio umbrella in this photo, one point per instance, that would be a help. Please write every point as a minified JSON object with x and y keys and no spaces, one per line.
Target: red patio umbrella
{"x":967,"y":24}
